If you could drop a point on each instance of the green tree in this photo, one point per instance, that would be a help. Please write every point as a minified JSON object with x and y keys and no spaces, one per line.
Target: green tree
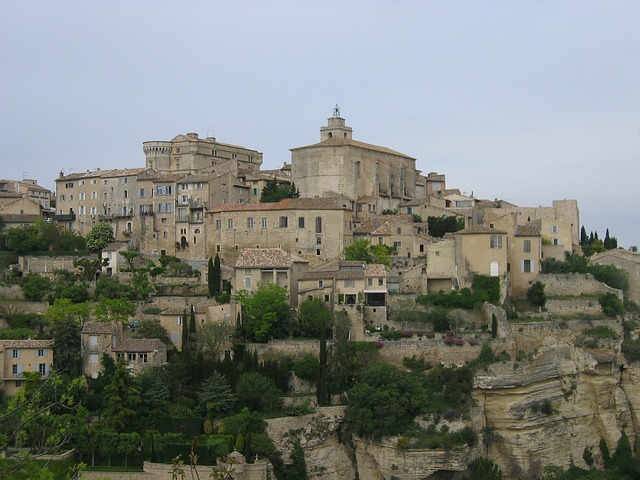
{"x":114,"y":310}
{"x":63,"y":308}
{"x":214,"y":276}
{"x":313,"y":316}
{"x":66,"y":347}
{"x":384,"y":401}
{"x":215,"y":396}
{"x":140,"y":288}
{"x":122,"y":397}
{"x":536,"y":294}
{"x":35,"y":287}
{"x":212,"y":338}
{"x":130,"y":256}
{"x":266,"y":312}
{"x":298,"y":470}
{"x":99,"y":237}
{"x":439,"y":226}
{"x":110,"y":287}
{"x":151,"y":328}
{"x":88,"y":268}
{"x":611,"y":305}
{"x":257,"y":392}
{"x":359,"y":250}
{"x":274,"y":191}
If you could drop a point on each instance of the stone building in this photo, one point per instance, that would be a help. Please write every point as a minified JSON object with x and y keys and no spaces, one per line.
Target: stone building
{"x":257,"y":266}
{"x":340,"y":165}
{"x":315,"y":228}
{"x":28,"y":188}
{"x":628,"y":261}
{"x":406,"y":237}
{"x":482,"y":250}
{"x":18,"y":357}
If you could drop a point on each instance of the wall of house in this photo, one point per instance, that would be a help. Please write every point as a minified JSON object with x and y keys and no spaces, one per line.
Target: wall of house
{"x":575,"y":284}
{"x":628,"y":261}
{"x":475,"y":255}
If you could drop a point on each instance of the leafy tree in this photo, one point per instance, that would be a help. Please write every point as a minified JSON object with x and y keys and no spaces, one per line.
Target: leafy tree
{"x":140,"y":288}
{"x":122,"y":397}
{"x":274,"y":191}
{"x":257,"y":392}
{"x":63,"y":308}
{"x":266,"y":312}
{"x":215,"y":396}
{"x":66,"y":347}
{"x":88,"y":268}
{"x":384,"y":401}
{"x":25,"y":240}
{"x":35,"y":287}
{"x":114,"y":310}
{"x":151,"y":329}
{"x":214,"y":276}
{"x":212,"y":337}
{"x":359,"y":250}
{"x":611,"y":305}
{"x":130,"y":256}
{"x":314,"y":316}
{"x":439,"y":226}
{"x":536,"y":294}
{"x":110,"y":287}
{"x":99,"y":237}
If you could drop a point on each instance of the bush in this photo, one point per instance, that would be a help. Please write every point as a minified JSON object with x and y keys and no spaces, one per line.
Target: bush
{"x":307,"y":368}
{"x":611,"y":305}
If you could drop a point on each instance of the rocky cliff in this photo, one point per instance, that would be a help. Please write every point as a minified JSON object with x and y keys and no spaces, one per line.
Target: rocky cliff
{"x":542,"y":408}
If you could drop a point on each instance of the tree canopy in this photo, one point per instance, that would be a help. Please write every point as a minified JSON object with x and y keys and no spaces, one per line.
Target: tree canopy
{"x":99,"y":237}
{"x":274,"y":191}
{"x":266,"y":312}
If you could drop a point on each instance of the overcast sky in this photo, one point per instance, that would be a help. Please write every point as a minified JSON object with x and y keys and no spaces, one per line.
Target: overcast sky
{"x":527,"y":101}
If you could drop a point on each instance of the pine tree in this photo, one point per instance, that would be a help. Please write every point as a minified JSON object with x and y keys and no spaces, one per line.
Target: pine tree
{"x":607,"y":241}
{"x":584,"y":239}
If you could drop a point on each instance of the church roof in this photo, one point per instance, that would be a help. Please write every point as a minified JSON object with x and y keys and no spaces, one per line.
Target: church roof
{"x":345,"y":142}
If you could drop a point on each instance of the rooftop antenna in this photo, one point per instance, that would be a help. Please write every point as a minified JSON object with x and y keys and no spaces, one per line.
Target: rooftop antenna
{"x":24,"y":174}
{"x":336,"y":111}
{"x":213,"y":132}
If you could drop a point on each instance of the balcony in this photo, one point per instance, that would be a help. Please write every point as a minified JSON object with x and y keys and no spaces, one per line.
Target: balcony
{"x":198,"y":203}
{"x":65,"y":217}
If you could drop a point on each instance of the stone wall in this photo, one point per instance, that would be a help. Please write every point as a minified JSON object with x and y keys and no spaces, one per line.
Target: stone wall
{"x":574,"y":285}
{"x":588,"y":306}
{"x":292,"y":348}
{"x":47,"y":265}
{"x":11,"y":291}
{"x":162,"y":471}
{"x":435,"y":351}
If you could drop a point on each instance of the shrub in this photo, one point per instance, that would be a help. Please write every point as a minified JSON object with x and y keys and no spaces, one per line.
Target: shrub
{"x":611,"y":305}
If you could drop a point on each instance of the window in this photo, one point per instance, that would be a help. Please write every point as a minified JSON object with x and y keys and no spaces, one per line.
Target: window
{"x":68,"y":185}
{"x":254,"y":191}
{"x":229,"y":222}
{"x":320,"y":283}
{"x":143,"y":192}
{"x":399,"y":231}
{"x":93,"y":359}
{"x":180,"y":320}
{"x":131,"y":357}
{"x":496,"y":241}
{"x":556,"y":241}
{"x":82,"y":196}
{"x":143,"y":358}
{"x":165,"y":207}
{"x":284,"y":222}
{"x":527,"y":266}
{"x":41,"y":353}
{"x":42,"y":368}
{"x":247,"y":282}
{"x":164,"y":190}
{"x":421,"y":248}
{"x":263,"y":222}
{"x":300,"y":222}
{"x":15,"y":353}
{"x":554,"y":229}
{"x":62,"y":198}
{"x":527,"y":246}
{"x":326,"y":299}
{"x":349,"y":283}
{"x":370,"y":281}
{"x":318,"y":224}
{"x":125,"y":180}
{"x":218,"y":224}
{"x":495,"y":269}
{"x":15,"y":370}
{"x":93,"y":182}
{"x":250,"y":222}
{"x":318,"y":240}
{"x":94,"y":195}
{"x":397,"y":245}
{"x":125,"y":194}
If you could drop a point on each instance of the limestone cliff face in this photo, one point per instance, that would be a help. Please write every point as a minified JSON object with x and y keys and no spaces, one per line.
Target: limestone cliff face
{"x":542,"y":410}
{"x":547,"y":412}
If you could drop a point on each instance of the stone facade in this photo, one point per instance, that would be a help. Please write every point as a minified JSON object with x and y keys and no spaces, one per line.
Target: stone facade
{"x":629,"y":262}
{"x":20,"y":356}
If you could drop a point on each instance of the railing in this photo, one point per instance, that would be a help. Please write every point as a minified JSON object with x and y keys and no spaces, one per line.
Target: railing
{"x":65,"y":217}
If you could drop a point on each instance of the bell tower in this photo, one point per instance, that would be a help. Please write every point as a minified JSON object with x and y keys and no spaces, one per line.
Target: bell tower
{"x":336,"y":127}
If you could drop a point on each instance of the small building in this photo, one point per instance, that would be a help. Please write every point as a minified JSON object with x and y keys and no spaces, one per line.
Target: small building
{"x":96,"y":340}
{"x":18,"y":357}
{"x":140,"y":353}
{"x":257,"y":266}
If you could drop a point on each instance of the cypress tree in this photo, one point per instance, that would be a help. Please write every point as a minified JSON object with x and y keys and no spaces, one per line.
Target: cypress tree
{"x":185,"y":332}
{"x":192,"y":322}
{"x":210,"y":277}
{"x":607,"y":241}
{"x":217,"y":275}
{"x":494,"y":326}
{"x":584,"y":239}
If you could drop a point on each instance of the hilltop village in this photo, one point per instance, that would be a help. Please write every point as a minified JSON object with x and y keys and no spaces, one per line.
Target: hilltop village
{"x":344,"y":316}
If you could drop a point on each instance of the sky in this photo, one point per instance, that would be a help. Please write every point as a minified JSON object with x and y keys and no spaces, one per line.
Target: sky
{"x":526,"y":101}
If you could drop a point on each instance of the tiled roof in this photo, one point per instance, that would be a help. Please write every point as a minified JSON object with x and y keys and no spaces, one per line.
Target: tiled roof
{"x":115,"y":246}
{"x":335,"y":141}
{"x":10,"y":195}
{"x":267,"y":257}
{"x":115,"y":172}
{"x":20,"y":217}
{"x":5,"y":344}
{"x":337,"y":274}
{"x":381,"y":225}
{"x":527,"y":230}
{"x":475,"y":229}
{"x":375,"y":270}
{"x":139,"y":345}
{"x":97,"y":328}
{"x":328,"y":203}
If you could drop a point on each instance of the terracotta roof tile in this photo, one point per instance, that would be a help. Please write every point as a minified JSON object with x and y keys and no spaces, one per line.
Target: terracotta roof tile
{"x":97,"y":328}
{"x":267,"y":257}
{"x":331,"y":142}
{"x":328,"y":203}
{"x":5,"y":344}
{"x":139,"y":345}
{"x":475,"y":229}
